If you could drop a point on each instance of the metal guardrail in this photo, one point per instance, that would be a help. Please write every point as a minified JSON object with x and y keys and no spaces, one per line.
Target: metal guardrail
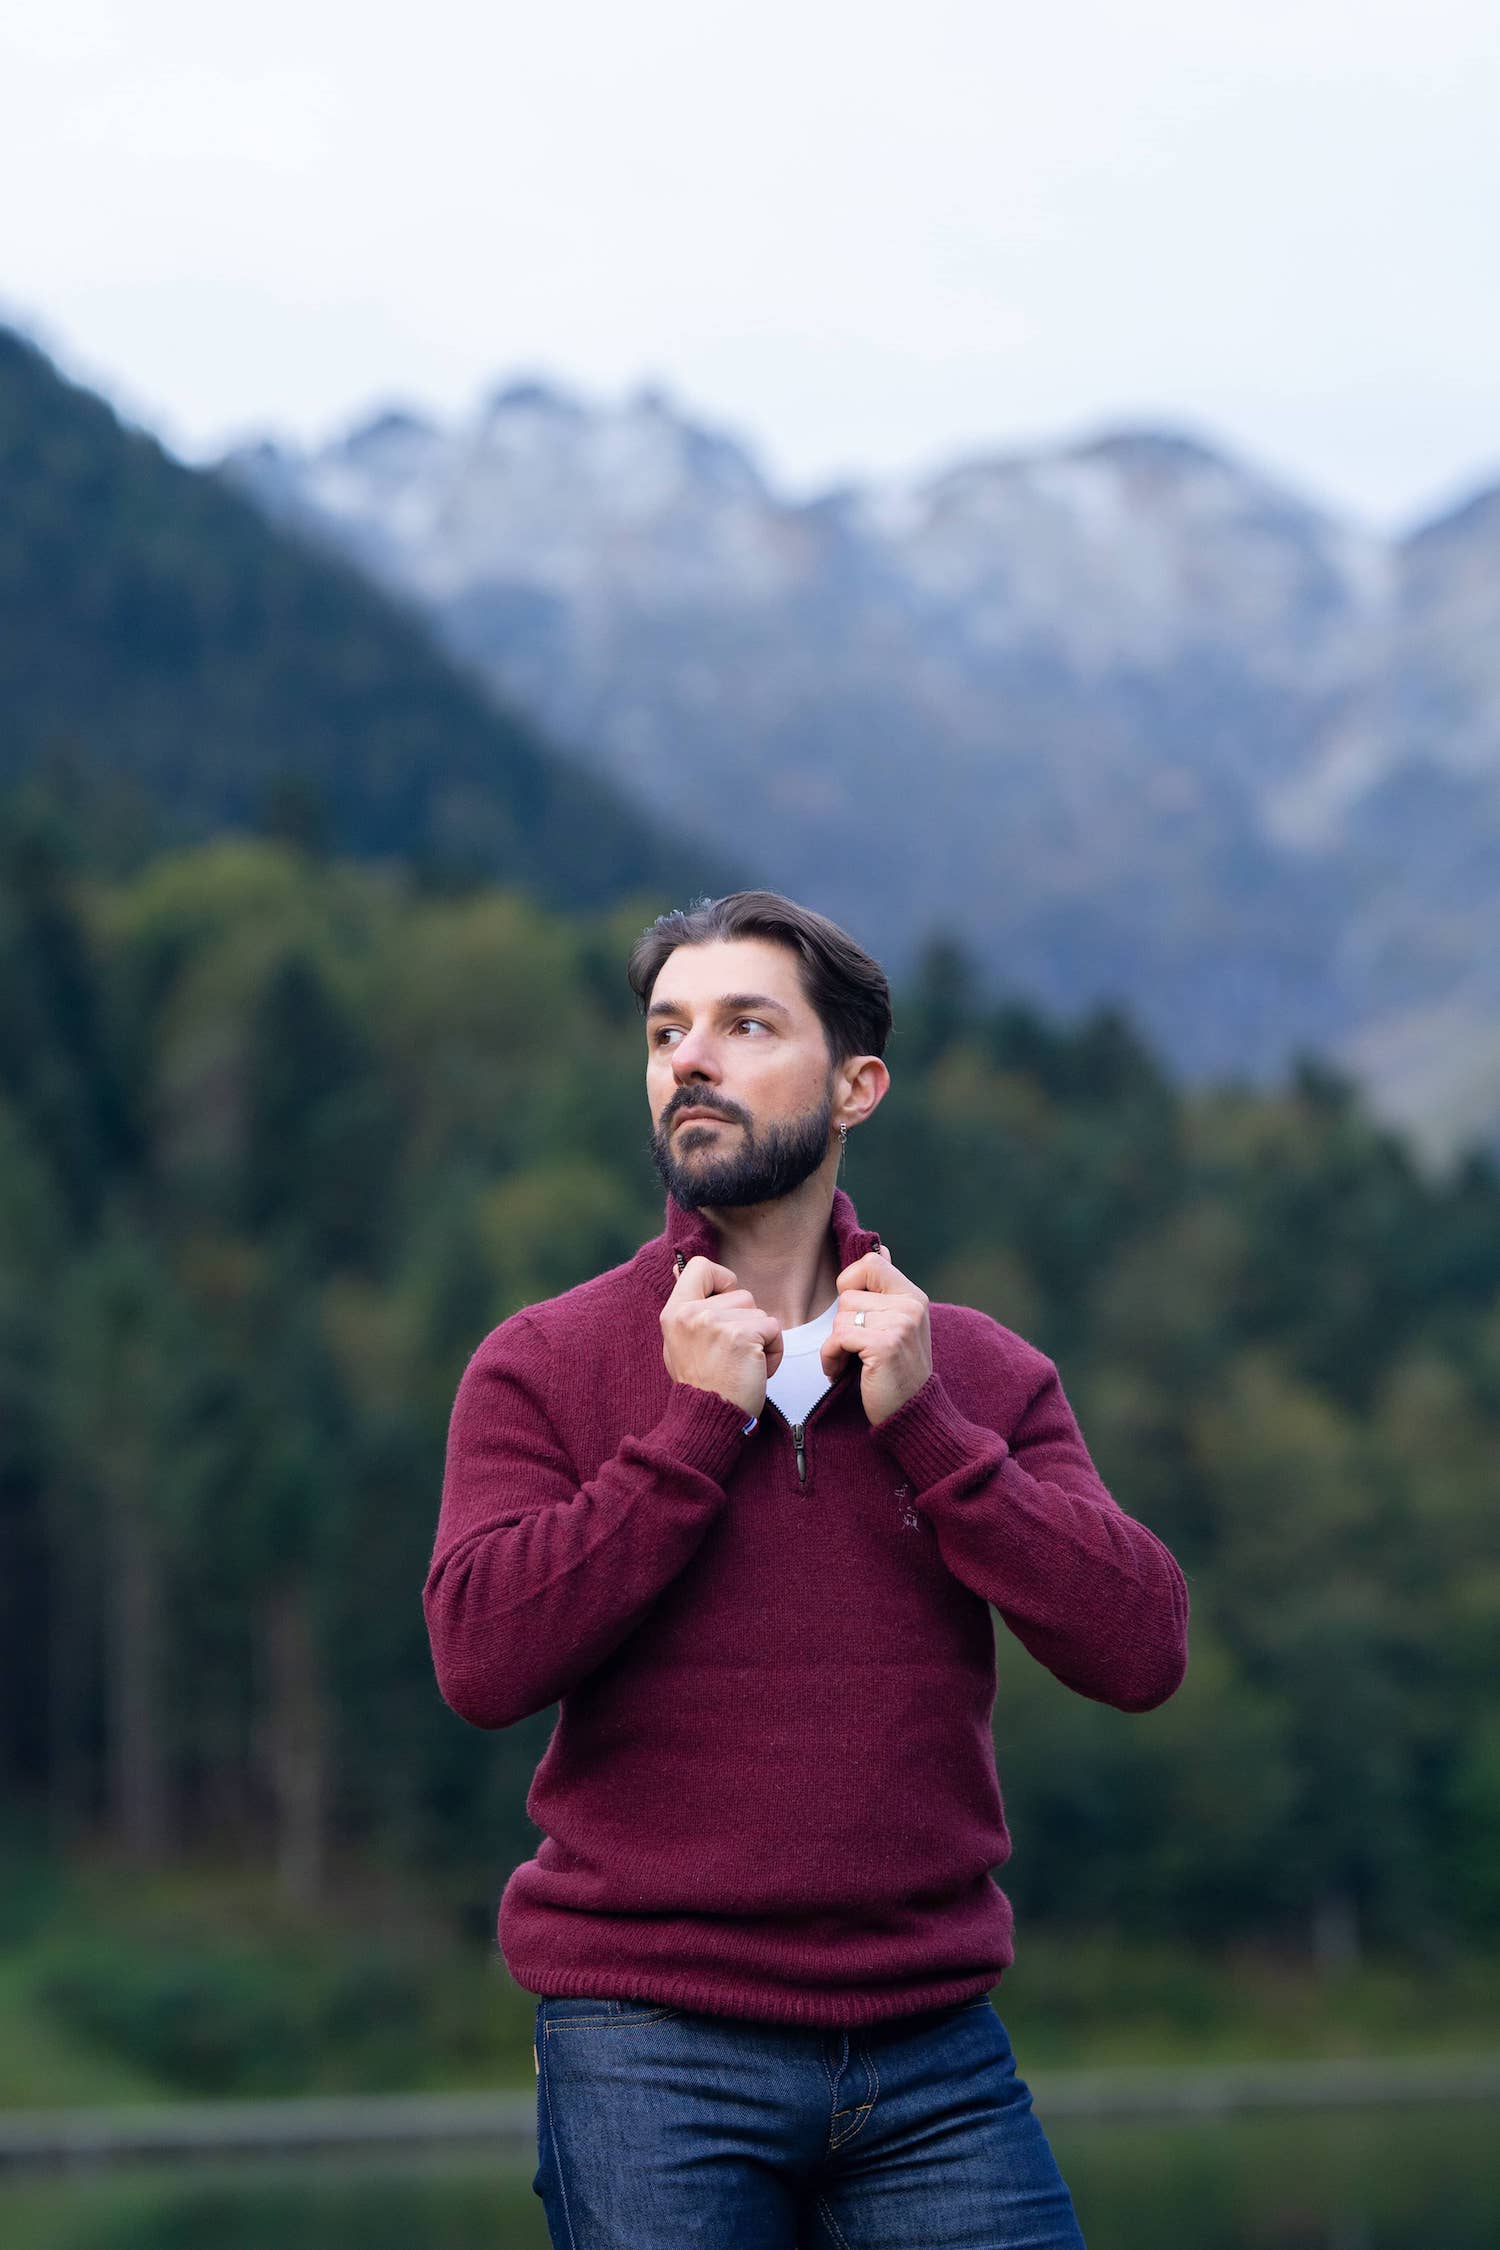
{"x":507,"y":2119}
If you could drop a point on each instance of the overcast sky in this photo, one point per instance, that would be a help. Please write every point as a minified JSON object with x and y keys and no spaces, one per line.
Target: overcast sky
{"x":867,"y":238}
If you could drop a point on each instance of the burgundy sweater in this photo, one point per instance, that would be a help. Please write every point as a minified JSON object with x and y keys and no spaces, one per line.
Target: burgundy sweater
{"x":771,"y":1791}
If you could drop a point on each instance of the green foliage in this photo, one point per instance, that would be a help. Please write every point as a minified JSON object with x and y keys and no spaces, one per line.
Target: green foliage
{"x":282,"y":1136}
{"x":217,"y":2017}
{"x":1473,"y":1830}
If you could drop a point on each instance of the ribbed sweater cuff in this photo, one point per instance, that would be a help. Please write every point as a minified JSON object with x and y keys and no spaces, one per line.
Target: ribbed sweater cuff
{"x":700,"y":1429}
{"x":931,"y":1439}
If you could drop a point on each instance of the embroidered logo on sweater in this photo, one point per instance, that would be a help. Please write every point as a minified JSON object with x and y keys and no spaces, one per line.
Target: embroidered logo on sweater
{"x":908,"y":1512}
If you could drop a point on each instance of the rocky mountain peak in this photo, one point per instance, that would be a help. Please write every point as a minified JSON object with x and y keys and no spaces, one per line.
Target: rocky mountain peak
{"x":1127,"y":713}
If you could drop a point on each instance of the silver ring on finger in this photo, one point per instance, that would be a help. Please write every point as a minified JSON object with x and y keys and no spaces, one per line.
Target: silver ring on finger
{"x":859,"y":1318}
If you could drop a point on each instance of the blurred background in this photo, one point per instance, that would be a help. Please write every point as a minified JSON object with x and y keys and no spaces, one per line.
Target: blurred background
{"x":1029,"y":489}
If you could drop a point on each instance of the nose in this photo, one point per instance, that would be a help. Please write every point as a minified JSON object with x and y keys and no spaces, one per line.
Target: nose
{"x":694,"y":1059}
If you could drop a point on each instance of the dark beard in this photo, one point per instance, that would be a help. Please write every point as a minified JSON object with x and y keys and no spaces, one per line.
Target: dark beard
{"x":762,"y":1168}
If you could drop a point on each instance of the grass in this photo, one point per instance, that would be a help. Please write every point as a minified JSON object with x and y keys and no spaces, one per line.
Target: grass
{"x":1091,"y":2001}
{"x":44,"y":2065}
{"x":120,"y":1987}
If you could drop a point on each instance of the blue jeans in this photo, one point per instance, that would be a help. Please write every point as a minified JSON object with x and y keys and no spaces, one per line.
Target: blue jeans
{"x":661,"y":2127}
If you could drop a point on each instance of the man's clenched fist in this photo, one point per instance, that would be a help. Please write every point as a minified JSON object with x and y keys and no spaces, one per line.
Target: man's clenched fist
{"x":893,"y":1341}
{"x":716,"y":1337}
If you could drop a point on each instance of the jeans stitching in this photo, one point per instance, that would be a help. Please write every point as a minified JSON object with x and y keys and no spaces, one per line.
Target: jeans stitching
{"x":557,"y":2162}
{"x":596,"y":2023}
{"x":831,"y":2222}
{"x":836,"y":2079}
{"x":861,"y":2111}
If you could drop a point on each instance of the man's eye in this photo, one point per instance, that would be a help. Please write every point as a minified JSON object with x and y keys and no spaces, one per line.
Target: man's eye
{"x":667,"y":1032}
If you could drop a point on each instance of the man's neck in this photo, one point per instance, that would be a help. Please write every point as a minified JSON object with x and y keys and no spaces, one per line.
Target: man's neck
{"x":784,"y":1252}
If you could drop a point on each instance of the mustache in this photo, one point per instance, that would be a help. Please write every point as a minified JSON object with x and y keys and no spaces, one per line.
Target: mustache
{"x":684,"y":1098}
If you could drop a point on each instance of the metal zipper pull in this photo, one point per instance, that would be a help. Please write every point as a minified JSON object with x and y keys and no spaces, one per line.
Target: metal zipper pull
{"x":798,"y":1442}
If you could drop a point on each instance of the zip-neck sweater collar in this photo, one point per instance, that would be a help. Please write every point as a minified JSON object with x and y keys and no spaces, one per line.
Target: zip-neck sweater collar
{"x":693,"y":1234}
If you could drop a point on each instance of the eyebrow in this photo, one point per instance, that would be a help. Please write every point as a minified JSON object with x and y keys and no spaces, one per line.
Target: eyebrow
{"x":733,"y":1003}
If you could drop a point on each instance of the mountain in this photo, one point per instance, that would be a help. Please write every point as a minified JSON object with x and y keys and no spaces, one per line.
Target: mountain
{"x":1127,"y":716}
{"x":155,"y":621}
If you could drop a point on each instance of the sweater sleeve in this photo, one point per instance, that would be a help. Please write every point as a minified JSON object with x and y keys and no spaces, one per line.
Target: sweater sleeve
{"x":536,"y":1578}
{"x":1028,"y":1526}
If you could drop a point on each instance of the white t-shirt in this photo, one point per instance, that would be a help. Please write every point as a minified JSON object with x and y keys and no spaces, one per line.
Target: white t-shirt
{"x":799,"y":1382}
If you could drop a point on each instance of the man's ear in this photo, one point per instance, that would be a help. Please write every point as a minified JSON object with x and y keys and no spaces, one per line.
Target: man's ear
{"x":862,"y":1084}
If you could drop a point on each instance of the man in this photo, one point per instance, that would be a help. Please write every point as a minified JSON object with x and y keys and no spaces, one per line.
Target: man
{"x":741,"y":1507}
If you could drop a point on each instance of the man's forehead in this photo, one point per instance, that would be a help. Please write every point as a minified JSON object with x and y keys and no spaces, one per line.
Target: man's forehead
{"x":726,"y":968}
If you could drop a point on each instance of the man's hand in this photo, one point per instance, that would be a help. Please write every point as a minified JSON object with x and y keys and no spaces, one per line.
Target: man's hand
{"x":716,"y":1337}
{"x":893,"y":1341}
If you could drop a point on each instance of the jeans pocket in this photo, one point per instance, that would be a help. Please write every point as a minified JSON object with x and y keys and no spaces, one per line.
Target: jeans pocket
{"x":576,"y":2011}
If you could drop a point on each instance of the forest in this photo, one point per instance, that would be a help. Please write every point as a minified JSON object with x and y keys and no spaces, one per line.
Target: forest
{"x":283,"y":1134}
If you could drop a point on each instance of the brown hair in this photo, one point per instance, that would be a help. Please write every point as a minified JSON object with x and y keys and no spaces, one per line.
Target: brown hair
{"x":845,"y":985}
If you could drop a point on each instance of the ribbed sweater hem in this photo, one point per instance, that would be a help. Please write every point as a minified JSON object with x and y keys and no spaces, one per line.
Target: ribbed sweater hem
{"x":809,"y":2010}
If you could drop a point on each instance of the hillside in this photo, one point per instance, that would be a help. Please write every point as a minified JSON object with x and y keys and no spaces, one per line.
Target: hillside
{"x":157,"y":624}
